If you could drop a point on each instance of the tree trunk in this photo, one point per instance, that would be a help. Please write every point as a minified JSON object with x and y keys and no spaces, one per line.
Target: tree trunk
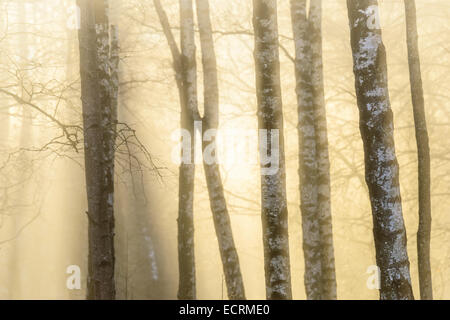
{"x":97,"y":100}
{"x":423,"y":153}
{"x":314,"y":165}
{"x":323,"y":161}
{"x":189,"y":113}
{"x":228,"y":253}
{"x":307,"y":151}
{"x":185,"y":69}
{"x":222,"y":223}
{"x":270,"y":118}
{"x":377,"y":132}
{"x":184,"y":65}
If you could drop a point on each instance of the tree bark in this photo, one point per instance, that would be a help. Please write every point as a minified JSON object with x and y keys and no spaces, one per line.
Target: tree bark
{"x":314,"y":165}
{"x":189,"y":113}
{"x":185,"y":75}
{"x":323,"y":161}
{"x":210,"y":121}
{"x":307,"y":151}
{"x":423,"y":153}
{"x":377,"y":132}
{"x":97,"y":101}
{"x":228,"y":253}
{"x":270,"y":118}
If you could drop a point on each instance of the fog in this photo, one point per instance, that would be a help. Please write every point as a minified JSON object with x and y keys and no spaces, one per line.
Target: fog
{"x":43,"y":196}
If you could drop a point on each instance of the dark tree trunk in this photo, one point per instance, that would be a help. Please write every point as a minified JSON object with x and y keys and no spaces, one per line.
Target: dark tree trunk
{"x":98,"y":100}
{"x":423,"y":153}
{"x":270,"y":118}
{"x":377,"y":132}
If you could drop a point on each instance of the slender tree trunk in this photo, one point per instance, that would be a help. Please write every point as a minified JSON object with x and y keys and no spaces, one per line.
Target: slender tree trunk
{"x":189,"y":113}
{"x":187,"y":93}
{"x":307,"y":151}
{"x":270,"y":118}
{"x":423,"y":153}
{"x":222,"y":223}
{"x":323,"y":161}
{"x":187,"y":87}
{"x":97,"y":96}
{"x":314,"y":165}
{"x":184,"y":65}
{"x":136,"y":238}
{"x":377,"y":132}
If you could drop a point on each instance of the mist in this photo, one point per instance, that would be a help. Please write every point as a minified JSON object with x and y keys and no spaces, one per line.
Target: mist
{"x":108,"y":189}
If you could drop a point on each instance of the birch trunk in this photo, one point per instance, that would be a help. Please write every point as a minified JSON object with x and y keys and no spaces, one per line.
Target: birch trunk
{"x":222,"y":223}
{"x":270,"y":117}
{"x":377,"y":132}
{"x":423,"y":153}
